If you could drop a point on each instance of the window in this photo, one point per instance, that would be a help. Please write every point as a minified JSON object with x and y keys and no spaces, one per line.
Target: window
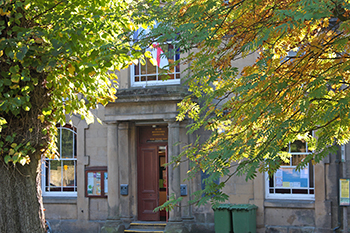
{"x":289,"y":183}
{"x":161,"y":73}
{"x":59,"y":176}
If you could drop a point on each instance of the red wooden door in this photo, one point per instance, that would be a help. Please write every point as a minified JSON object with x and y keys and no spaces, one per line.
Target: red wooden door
{"x":148,"y":183}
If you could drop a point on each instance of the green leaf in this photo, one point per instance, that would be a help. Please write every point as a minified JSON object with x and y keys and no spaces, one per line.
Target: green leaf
{"x":14,"y":69}
{"x":9,"y":138}
{"x":15,"y":78}
{"x":8,"y":159}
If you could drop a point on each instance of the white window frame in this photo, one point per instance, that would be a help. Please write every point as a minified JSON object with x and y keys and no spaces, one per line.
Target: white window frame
{"x":156,"y":82}
{"x":291,"y":196}
{"x":45,"y":163}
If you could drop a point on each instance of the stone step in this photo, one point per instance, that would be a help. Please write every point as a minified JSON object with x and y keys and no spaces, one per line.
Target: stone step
{"x":143,"y":231}
{"x":146,"y":227}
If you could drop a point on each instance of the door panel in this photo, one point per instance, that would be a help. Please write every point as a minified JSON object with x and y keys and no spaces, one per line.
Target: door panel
{"x":148,"y":183}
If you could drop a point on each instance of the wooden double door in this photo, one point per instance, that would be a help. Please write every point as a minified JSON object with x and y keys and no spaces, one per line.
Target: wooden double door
{"x":151,"y":176}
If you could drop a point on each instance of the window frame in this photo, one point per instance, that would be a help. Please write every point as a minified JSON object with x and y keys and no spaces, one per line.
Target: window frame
{"x":292,"y":196}
{"x":45,"y":176}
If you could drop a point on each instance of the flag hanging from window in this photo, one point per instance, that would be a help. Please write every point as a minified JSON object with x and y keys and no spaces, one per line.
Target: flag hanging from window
{"x":158,"y":55}
{"x":155,"y":49}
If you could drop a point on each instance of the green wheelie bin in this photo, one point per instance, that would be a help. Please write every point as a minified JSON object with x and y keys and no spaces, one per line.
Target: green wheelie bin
{"x":223,"y":218}
{"x":240,"y":218}
{"x":244,"y":218}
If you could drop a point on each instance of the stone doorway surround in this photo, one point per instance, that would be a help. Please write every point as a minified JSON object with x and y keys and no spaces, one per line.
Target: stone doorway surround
{"x":136,"y":107}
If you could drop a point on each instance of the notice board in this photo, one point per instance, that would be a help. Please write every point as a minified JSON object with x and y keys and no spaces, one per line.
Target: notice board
{"x":344,"y":192}
{"x":96,"y":182}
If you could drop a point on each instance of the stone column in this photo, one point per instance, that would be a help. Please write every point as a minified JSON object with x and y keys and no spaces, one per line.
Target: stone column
{"x":113,"y":223}
{"x":323,"y":218}
{"x":175,"y":223}
{"x":186,"y":208}
{"x":82,"y":161}
{"x":124,"y":169}
{"x":259,"y":197}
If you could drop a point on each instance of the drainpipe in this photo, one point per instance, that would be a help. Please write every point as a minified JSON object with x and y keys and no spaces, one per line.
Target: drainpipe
{"x":337,"y":161}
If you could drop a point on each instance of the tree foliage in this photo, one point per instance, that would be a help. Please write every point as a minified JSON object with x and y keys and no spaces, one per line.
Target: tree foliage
{"x":298,"y":81}
{"x":54,"y":61}
{"x":56,"y":58}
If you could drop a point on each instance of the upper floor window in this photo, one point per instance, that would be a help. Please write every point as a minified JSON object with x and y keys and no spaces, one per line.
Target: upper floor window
{"x":161,"y":70}
{"x":287,"y":182}
{"x":59,"y":175}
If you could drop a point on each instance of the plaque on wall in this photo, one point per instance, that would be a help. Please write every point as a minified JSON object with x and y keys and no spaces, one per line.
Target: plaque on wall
{"x":157,"y":134}
{"x":344,"y":192}
{"x":96,"y":182}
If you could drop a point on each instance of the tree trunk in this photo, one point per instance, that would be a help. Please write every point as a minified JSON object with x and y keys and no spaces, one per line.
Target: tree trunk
{"x":21,"y":207}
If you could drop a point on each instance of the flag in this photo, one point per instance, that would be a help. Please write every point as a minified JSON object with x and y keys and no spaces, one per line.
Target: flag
{"x":159,"y":56}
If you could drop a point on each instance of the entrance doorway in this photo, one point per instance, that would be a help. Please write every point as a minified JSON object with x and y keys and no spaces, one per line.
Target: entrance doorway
{"x":151,"y":171}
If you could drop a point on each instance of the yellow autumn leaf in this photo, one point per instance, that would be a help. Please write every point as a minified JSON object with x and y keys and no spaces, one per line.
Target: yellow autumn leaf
{"x":41,"y":118}
{"x":148,"y":54}
{"x":11,"y":151}
{"x":132,"y":26}
{"x":153,"y":61}
{"x":14,"y":87}
{"x":113,"y":76}
{"x":71,"y":69}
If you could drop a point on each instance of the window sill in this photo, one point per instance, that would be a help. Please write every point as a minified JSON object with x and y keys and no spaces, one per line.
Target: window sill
{"x":59,"y":200}
{"x":296,"y":204}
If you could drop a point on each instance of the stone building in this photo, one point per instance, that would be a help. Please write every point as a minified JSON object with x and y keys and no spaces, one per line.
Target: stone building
{"x":111,"y":175}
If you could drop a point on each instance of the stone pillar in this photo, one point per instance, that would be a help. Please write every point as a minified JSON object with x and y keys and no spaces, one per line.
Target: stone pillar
{"x":186,"y":208}
{"x":259,"y":197}
{"x":124,"y":169}
{"x":113,"y":223}
{"x":175,"y":224}
{"x":82,"y":161}
{"x":133,"y":168}
{"x":323,"y":218}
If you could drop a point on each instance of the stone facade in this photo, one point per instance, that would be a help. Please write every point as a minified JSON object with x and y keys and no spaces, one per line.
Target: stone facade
{"x":113,"y":144}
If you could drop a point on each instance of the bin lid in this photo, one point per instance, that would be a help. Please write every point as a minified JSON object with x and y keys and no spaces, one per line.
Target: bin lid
{"x":235,"y":207}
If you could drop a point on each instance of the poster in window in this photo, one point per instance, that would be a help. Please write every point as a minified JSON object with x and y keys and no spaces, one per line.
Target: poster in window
{"x":90,"y":181}
{"x":279,"y":181}
{"x":304,"y":173}
{"x":94,"y":183}
{"x":106,"y":183}
{"x":279,"y":173}
{"x":295,"y":184}
{"x":292,"y":177}
{"x":344,"y":192}
{"x":279,"y":178}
